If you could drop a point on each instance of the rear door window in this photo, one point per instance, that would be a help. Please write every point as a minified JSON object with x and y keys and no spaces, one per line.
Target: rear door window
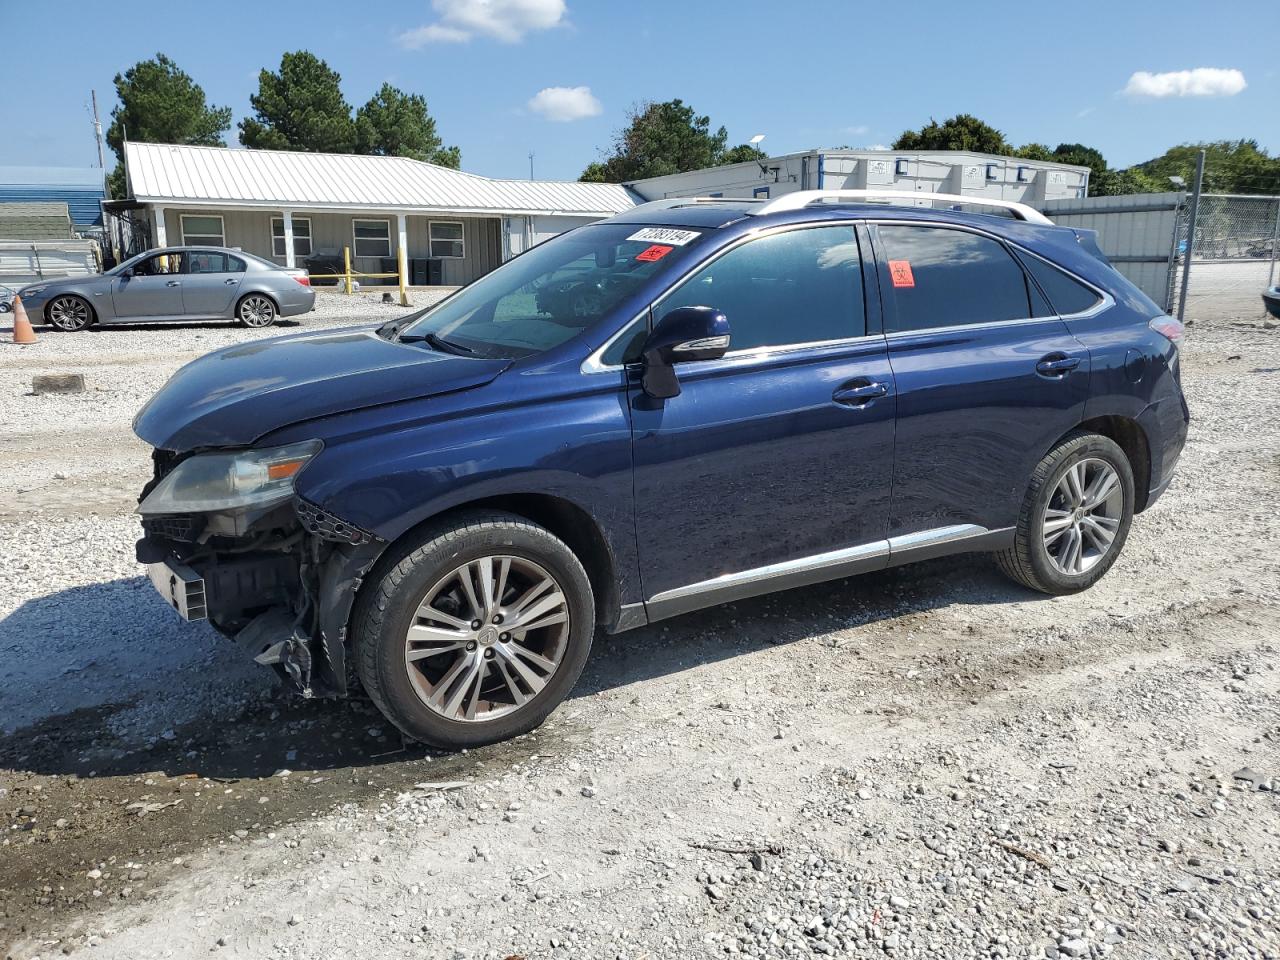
{"x":940,"y":277}
{"x":794,"y":287}
{"x":1066,"y":295}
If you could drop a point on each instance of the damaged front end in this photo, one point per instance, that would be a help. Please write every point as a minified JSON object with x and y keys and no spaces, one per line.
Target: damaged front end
{"x":226,"y":539}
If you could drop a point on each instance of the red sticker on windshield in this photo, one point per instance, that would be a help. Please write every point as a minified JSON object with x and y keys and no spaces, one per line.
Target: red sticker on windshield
{"x":655,"y":252}
{"x":900,"y":271}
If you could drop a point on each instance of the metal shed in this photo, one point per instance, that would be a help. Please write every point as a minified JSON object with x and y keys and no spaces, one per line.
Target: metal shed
{"x":287,"y":206}
{"x":80,"y":188}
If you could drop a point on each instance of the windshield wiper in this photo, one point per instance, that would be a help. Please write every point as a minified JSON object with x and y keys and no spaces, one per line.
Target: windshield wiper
{"x":437,"y":342}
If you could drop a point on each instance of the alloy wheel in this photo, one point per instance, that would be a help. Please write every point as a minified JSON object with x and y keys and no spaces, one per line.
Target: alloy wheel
{"x":487,"y":637}
{"x":69,"y":313}
{"x":257,"y":311}
{"x":1083,"y":516}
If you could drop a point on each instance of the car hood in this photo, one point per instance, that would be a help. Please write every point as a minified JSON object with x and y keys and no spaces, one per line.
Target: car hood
{"x":231,"y":397}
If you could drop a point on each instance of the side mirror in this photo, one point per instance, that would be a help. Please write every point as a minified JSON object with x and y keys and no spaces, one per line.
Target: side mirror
{"x":686,"y":333}
{"x":127,"y":273}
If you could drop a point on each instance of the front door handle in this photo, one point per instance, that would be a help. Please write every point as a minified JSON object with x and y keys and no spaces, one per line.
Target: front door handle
{"x":230,"y":282}
{"x":174,"y":283}
{"x":859,"y":393}
{"x":1057,"y":365}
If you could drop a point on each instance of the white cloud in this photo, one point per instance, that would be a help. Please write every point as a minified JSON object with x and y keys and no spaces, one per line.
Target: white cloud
{"x":1200,"y":82}
{"x":878,"y":146}
{"x":504,"y":20}
{"x":563,"y":104}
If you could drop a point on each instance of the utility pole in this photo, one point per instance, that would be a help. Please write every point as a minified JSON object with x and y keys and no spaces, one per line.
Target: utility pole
{"x":97,"y":132}
{"x":1191,"y":235}
{"x":530,"y":164}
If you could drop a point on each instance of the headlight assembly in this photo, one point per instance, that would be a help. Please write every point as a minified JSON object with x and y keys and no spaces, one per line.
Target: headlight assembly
{"x":209,"y":482}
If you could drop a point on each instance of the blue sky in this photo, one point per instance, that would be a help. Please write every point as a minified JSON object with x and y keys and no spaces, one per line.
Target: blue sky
{"x":804,"y":74}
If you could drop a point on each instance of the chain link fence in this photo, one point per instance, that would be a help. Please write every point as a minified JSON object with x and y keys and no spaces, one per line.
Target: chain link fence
{"x":1234,"y":255}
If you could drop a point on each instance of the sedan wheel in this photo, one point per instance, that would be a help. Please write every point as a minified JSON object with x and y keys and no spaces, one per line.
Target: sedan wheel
{"x":257,"y":311}
{"x":69,"y":313}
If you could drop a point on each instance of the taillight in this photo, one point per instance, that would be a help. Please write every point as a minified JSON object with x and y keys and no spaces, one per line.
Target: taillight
{"x":1170,"y":328}
{"x":305,"y":280}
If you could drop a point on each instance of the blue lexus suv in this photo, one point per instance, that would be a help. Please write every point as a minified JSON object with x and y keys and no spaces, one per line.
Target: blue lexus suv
{"x":691,"y":403}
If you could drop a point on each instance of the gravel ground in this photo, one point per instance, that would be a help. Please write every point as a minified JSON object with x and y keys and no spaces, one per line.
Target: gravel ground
{"x":922,"y":762}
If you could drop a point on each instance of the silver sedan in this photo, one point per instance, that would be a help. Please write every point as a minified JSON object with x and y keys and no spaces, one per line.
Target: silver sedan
{"x":174,"y":283}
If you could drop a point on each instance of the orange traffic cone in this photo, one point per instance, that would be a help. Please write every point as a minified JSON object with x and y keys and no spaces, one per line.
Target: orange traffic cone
{"x":22,"y":332}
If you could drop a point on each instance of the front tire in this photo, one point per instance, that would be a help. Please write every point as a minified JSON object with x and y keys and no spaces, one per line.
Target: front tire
{"x":1075,"y":517}
{"x":70,"y":313}
{"x":256,"y":310}
{"x":478,"y":633}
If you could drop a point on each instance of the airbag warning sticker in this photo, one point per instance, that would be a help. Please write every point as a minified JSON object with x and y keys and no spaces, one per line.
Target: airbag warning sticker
{"x":665,"y":235}
{"x":656,"y":252}
{"x":900,"y":271}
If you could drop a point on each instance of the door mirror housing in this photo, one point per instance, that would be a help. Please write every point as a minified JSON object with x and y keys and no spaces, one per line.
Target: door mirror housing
{"x":683,"y":334}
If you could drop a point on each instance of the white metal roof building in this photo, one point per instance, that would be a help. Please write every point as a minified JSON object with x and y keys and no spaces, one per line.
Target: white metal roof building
{"x":289,"y":206}
{"x":921,"y":172}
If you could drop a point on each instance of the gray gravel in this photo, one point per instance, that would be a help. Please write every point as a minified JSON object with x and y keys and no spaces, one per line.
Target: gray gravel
{"x":926,"y":762}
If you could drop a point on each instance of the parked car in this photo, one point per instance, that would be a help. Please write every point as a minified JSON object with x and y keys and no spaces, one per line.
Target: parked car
{"x":174,"y":283}
{"x":1271,"y":300}
{"x":756,"y":396}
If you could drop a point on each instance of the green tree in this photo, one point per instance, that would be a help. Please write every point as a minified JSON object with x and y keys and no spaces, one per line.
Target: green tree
{"x":159,"y":103}
{"x":1034,"y":151}
{"x":1113,"y":183}
{"x":741,"y":154}
{"x":299,"y":108}
{"x":962,"y":132}
{"x":660,"y":138}
{"x":1231,"y":166}
{"x":396,"y":124}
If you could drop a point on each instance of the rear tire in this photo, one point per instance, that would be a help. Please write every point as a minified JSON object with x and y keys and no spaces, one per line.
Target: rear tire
{"x":256,"y":310}
{"x":458,"y":666}
{"x":1075,"y":516}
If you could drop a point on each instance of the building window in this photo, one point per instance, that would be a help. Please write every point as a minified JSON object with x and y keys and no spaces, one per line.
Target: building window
{"x":761,"y":193}
{"x":446,"y":239}
{"x":301,"y":237}
{"x":992,"y":171}
{"x":203,"y":230}
{"x":1023,"y":175}
{"x":372,"y":238}
{"x":900,"y":167}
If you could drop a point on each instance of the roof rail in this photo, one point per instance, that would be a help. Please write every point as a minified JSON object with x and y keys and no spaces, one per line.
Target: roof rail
{"x":802,"y":198}
{"x":670,"y":203}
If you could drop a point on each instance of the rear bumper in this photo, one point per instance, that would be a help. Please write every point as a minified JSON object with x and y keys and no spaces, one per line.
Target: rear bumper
{"x":295,"y":303}
{"x":1165,"y":424}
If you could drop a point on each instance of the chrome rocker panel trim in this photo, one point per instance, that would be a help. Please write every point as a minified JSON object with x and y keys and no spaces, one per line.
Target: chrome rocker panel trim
{"x":832,"y":565}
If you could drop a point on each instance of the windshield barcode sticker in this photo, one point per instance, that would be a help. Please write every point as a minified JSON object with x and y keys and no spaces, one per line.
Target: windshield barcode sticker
{"x":665,"y":235}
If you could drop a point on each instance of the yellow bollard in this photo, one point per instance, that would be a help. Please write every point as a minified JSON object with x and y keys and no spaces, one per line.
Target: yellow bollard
{"x":402,"y":263}
{"x":346,"y":261}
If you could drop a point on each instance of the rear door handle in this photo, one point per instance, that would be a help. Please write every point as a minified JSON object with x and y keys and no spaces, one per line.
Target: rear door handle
{"x":859,"y":393}
{"x":230,"y":282}
{"x":174,"y":283}
{"x":1057,"y":365}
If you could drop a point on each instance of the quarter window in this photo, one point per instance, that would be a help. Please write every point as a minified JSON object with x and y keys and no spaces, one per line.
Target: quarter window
{"x":799,"y":286}
{"x":372,"y":238}
{"x":937,"y":277}
{"x":446,"y":239}
{"x":203,"y":230}
{"x":301,"y":237}
{"x":1066,"y":294}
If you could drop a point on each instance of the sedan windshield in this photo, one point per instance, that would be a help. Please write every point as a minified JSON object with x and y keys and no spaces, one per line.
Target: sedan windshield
{"x":552,"y":293}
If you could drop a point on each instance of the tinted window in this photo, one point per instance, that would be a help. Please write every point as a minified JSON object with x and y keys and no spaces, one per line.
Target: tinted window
{"x":1066,"y":294}
{"x":202,"y":261}
{"x":937,"y":277}
{"x":800,"y":286}
{"x":160,"y":264}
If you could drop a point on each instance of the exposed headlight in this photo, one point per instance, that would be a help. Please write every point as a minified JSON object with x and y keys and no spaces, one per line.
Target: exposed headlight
{"x":32,"y":291}
{"x":226,"y":481}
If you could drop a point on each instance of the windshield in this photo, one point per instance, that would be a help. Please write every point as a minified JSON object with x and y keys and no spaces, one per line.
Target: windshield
{"x":553,"y":292}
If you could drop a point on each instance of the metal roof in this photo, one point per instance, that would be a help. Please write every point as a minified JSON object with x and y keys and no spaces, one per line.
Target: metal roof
{"x":276,"y":179}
